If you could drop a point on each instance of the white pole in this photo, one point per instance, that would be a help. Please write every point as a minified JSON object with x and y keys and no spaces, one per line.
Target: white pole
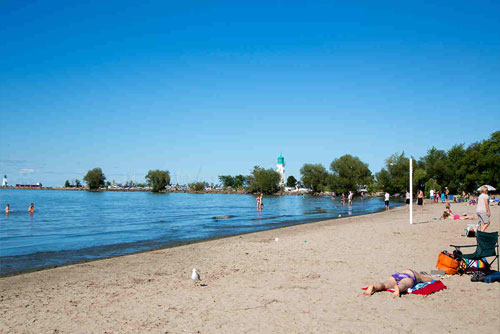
{"x":411,"y":191}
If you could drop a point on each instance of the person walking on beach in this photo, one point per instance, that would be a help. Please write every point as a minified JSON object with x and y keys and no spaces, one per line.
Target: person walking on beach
{"x":31,"y":209}
{"x":420,"y":200}
{"x":447,"y":193}
{"x":483,"y":208}
{"x":407,"y":200}
{"x":431,"y":195}
{"x":386,"y":200}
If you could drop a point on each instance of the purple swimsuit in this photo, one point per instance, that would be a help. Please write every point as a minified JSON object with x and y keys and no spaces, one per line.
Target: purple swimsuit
{"x":399,"y":276}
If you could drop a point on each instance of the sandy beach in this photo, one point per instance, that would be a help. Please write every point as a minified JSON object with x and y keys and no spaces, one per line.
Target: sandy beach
{"x":307,"y":282}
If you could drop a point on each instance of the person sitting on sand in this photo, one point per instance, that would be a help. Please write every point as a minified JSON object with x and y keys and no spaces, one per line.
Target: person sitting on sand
{"x":448,"y":208}
{"x":7,"y":208}
{"x":447,"y":215}
{"x":31,"y":208}
{"x":400,"y":282}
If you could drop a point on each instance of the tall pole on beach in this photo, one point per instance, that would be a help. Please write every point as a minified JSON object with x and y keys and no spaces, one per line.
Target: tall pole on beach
{"x":411,"y":191}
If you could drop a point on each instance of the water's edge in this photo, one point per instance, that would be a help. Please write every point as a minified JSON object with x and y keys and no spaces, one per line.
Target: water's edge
{"x":167,"y":245}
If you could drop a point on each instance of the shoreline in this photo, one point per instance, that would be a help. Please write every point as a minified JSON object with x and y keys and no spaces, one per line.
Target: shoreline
{"x":222,"y":191}
{"x":180,"y":244}
{"x":308,"y":281}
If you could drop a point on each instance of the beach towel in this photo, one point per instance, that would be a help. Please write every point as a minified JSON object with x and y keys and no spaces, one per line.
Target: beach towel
{"x":424,"y":288}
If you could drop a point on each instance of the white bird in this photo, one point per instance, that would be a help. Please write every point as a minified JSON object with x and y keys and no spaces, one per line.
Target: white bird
{"x":195,"y":276}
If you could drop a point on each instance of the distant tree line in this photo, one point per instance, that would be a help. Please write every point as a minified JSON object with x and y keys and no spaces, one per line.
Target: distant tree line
{"x":156,"y":179}
{"x":460,"y":169}
{"x":260,"y":180}
{"x":76,"y":184}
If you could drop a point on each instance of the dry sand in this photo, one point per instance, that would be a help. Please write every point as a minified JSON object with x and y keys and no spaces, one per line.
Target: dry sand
{"x":308,"y":282}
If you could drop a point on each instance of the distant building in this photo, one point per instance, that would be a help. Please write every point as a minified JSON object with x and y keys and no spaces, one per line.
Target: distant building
{"x":36,"y":185}
{"x":280,"y":168}
{"x":4,"y":181}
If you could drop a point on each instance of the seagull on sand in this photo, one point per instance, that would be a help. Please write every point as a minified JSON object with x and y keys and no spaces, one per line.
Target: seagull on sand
{"x":195,"y":276}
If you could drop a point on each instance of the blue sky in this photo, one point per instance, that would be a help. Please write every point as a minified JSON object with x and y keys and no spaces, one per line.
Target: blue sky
{"x":215,"y":87}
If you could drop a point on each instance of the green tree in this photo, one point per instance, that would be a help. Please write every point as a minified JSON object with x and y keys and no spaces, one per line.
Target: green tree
{"x":197,"y":186}
{"x":67,"y":184}
{"x":226,"y":180}
{"x":262,"y":180}
{"x":235,"y":182}
{"x":384,"y":182}
{"x":314,"y":177}
{"x":158,"y":179}
{"x":419,"y":179}
{"x":431,"y":184}
{"x":436,"y":166}
{"x":349,"y":174}
{"x":240,"y":181}
{"x":78,"y":184}
{"x":489,"y":161}
{"x":455,"y":159}
{"x":395,"y":177}
{"x":95,"y":178}
{"x":398,"y":166}
{"x":291,"y":181}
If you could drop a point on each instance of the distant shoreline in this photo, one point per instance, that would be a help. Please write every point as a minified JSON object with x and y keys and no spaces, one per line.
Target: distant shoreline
{"x":238,"y":192}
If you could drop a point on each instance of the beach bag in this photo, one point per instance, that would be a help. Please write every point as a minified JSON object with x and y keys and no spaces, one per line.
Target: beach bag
{"x":480,"y":265}
{"x":447,"y":263}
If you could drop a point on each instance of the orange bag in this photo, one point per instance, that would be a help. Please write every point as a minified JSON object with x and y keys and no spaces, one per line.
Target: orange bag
{"x":447,"y":263}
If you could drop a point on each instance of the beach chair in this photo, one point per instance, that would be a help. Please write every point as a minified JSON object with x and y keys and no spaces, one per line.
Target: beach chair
{"x":487,"y":246}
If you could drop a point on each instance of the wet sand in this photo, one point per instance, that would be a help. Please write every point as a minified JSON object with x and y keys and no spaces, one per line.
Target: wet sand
{"x":307,"y":282}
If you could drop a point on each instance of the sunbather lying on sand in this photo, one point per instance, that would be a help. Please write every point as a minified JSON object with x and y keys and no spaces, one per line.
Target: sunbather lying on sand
{"x":400,"y":282}
{"x":447,"y":215}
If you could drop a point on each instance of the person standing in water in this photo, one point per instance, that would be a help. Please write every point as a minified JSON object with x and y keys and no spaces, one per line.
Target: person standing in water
{"x":7,"y":208}
{"x":261,"y":201}
{"x":31,"y":209}
{"x":386,"y":200}
{"x":349,"y":198}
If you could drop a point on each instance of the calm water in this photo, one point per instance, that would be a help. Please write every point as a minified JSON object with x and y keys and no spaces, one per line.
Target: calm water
{"x":74,"y":226}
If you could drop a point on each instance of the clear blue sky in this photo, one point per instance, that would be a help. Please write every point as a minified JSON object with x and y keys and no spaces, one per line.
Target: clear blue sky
{"x":215,"y":87}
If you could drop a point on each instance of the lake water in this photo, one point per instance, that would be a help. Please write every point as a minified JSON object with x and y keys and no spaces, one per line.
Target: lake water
{"x":75,"y":226}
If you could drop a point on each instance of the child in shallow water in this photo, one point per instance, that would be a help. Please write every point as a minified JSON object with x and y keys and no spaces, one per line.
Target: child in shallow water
{"x":400,"y":282}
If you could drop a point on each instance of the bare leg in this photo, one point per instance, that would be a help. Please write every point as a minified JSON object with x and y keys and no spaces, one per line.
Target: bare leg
{"x":382,"y":286}
{"x":422,"y":278}
{"x":403,"y":285}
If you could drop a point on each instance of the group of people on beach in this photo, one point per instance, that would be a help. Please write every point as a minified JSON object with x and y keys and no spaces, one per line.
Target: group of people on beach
{"x":31,"y":208}
{"x":483,"y":211}
{"x":408,"y":278}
